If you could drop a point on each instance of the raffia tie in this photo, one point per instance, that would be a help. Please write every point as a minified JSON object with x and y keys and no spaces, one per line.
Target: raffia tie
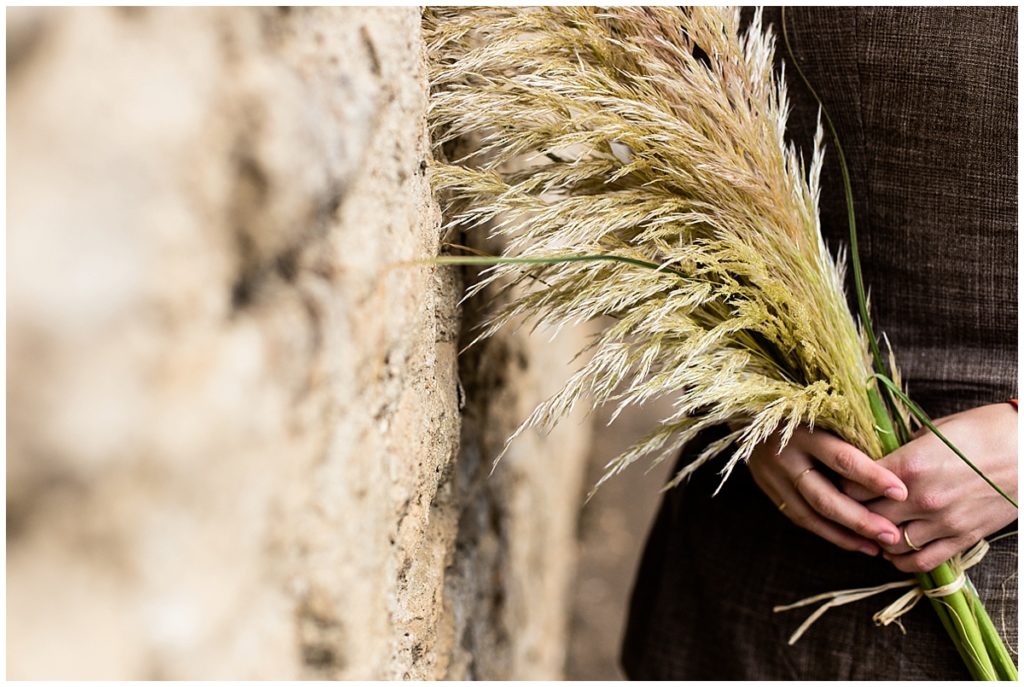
{"x":960,"y":564}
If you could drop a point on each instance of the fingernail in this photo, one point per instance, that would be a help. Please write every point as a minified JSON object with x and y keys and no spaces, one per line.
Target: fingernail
{"x":869,"y":550}
{"x":895,"y":493}
{"x":887,"y":538}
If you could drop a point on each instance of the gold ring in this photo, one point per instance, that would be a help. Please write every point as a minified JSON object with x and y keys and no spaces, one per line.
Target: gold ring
{"x":906,"y":538}
{"x":782,"y":506}
{"x":801,"y":476}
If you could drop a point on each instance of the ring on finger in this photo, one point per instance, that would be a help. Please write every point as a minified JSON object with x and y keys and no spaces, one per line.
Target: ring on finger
{"x":906,"y":538}
{"x":799,"y":477}
{"x":782,"y":506}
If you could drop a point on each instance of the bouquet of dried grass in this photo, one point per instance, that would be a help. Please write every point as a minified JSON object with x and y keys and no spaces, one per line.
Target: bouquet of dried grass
{"x":659,"y":190}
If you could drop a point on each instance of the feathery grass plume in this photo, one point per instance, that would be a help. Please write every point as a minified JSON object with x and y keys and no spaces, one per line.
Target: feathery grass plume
{"x":659,"y":190}
{"x":655,"y":140}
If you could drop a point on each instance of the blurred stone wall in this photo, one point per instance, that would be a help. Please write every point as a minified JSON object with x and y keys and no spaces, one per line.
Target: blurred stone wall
{"x":241,"y":440}
{"x":613,"y":528}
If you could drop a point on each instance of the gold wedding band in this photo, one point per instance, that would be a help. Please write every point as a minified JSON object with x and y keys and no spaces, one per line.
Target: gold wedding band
{"x":782,"y":506}
{"x":801,"y":476}
{"x":906,"y":538}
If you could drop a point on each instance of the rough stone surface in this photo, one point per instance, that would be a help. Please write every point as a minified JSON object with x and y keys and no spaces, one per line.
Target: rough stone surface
{"x":238,"y":443}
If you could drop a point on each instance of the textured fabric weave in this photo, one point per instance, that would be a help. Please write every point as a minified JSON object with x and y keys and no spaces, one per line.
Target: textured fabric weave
{"x":925,"y":102}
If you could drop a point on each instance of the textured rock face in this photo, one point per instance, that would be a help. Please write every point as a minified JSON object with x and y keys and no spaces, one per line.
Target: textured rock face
{"x":241,"y":441}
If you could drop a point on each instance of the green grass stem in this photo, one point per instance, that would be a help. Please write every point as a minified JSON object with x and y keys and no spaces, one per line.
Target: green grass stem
{"x":926,"y":421}
{"x":961,"y":607}
{"x":962,"y":613}
{"x":997,"y":651}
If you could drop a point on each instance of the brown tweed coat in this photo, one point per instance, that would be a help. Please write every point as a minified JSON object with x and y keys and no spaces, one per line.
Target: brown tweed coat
{"x":925,"y":101}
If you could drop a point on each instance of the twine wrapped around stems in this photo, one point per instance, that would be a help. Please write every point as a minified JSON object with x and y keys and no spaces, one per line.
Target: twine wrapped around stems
{"x":892,"y":613}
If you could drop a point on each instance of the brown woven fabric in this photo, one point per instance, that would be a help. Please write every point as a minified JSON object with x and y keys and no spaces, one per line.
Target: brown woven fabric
{"x":925,"y":102}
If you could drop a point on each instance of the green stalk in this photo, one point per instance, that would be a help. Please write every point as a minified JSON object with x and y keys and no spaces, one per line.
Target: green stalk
{"x":925,"y":580}
{"x":883,"y":422}
{"x":972,"y":634}
{"x":968,"y":637}
{"x":1004,"y":663}
{"x":961,"y":608}
{"x":980,"y":647}
{"x":969,"y":644}
{"x":927,"y":422}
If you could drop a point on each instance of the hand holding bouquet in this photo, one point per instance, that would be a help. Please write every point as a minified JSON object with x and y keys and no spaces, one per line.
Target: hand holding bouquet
{"x":659,"y":191}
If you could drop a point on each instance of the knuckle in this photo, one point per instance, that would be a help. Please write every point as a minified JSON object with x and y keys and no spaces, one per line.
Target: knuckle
{"x":822,"y":504}
{"x":925,"y":562}
{"x":915,"y":565}
{"x":862,"y":525}
{"x":844,"y":462}
{"x":827,"y":510}
{"x":921,"y":562}
{"x":902,"y":564}
{"x":912,"y":466}
{"x":930,"y":501}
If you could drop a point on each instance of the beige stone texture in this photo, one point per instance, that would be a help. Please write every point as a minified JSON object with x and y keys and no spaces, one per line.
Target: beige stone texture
{"x":241,"y":440}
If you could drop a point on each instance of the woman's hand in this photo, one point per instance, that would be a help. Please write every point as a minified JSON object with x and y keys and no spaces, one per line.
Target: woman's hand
{"x":950,"y":507}
{"x":792,"y":480}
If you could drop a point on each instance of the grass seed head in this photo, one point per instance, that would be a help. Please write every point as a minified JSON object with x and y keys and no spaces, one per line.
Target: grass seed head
{"x":655,"y":134}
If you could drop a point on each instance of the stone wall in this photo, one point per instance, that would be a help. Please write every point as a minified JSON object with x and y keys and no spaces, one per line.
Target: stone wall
{"x":613,"y":528}
{"x":242,"y":442}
